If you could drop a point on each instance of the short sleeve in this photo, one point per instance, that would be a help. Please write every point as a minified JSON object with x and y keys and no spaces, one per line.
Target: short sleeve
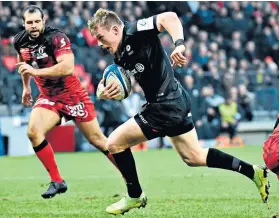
{"x":146,"y":25}
{"x":61,"y":45}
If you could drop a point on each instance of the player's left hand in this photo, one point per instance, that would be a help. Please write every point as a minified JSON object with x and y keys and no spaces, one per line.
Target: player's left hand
{"x":25,"y":68}
{"x":177,"y":56}
{"x":110,"y":91}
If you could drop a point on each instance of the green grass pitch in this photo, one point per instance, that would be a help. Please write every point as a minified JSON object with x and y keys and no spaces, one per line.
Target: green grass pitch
{"x":173,"y":189}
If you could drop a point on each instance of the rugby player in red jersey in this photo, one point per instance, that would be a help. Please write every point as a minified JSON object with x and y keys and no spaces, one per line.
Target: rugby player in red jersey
{"x":45,"y":53}
{"x":271,"y":150}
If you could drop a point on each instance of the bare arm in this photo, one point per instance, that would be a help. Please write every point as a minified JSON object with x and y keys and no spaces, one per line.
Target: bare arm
{"x":170,"y":22}
{"x":64,"y":67}
{"x":25,"y":77}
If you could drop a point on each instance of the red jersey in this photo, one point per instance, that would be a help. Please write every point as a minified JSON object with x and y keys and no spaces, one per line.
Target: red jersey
{"x":43,"y":52}
{"x":276,"y":128}
{"x":271,"y":150}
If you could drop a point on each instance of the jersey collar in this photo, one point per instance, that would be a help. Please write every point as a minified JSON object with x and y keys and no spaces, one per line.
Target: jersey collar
{"x":121,"y":45}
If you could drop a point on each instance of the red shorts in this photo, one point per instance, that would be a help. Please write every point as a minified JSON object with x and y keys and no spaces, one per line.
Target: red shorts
{"x":271,"y":153}
{"x":79,"y":108}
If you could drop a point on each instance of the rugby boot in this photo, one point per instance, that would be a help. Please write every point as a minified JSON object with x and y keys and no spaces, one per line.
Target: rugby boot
{"x":261,"y":181}
{"x":55,"y":188}
{"x":126,"y":204}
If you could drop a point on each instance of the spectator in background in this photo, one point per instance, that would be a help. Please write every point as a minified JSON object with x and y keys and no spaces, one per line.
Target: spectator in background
{"x":209,"y":105}
{"x":229,"y":80}
{"x":232,"y":63}
{"x":236,"y":50}
{"x":245,"y":101}
{"x":193,"y":91}
{"x":205,"y":17}
{"x":224,"y":23}
{"x":201,"y":57}
{"x":251,"y":53}
{"x":229,"y":115}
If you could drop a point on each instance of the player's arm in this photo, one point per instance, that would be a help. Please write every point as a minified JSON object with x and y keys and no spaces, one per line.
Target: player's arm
{"x":64,"y":67}
{"x":25,"y":77}
{"x":170,"y":22}
{"x":61,"y":47}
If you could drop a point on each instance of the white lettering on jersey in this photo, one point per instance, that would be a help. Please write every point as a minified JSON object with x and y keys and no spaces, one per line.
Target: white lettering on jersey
{"x":44,"y":101}
{"x":145,"y":24}
{"x":41,"y":52}
{"x":63,"y":43}
{"x":77,"y":110}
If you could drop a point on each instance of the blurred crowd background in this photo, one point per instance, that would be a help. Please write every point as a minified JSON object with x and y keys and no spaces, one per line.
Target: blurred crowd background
{"x":232,"y":50}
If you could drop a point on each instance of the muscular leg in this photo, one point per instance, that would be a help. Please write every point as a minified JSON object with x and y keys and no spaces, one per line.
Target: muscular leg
{"x":119,"y":142}
{"x":94,"y":135}
{"x":193,"y":155}
{"x":41,"y":121}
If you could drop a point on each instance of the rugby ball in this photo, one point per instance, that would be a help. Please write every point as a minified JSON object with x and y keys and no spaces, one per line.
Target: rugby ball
{"x":119,"y":76}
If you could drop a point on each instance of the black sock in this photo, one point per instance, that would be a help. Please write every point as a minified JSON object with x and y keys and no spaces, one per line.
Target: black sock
{"x":126,"y":165}
{"x":219,"y":159}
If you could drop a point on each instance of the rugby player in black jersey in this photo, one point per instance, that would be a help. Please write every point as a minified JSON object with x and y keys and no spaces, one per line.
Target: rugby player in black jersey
{"x":137,"y":48}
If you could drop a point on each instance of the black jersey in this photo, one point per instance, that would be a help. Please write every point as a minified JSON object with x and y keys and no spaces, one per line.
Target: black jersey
{"x":142,"y":55}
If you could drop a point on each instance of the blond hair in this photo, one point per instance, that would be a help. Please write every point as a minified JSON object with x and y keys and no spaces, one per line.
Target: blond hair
{"x":105,"y":18}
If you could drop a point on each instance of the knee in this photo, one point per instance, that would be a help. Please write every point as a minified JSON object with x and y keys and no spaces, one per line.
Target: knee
{"x":33,"y":133}
{"x":195,"y":158}
{"x":113,"y":146}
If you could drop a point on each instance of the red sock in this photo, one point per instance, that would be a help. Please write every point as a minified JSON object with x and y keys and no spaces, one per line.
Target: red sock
{"x":46,"y":155}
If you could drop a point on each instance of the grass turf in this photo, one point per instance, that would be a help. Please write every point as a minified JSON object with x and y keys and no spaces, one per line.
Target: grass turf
{"x":172,"y":188}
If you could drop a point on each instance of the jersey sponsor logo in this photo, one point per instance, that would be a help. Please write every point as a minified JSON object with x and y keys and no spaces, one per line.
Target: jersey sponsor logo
{"x":41,"y":52}
{"x":44,"y":101}
{"x":143,"y":119}
{"x":32,"y":46}
{"x":128,"y":47}
{"x":77,"y":110}
{"x":139,"y":67}
{"x":145,"y":24}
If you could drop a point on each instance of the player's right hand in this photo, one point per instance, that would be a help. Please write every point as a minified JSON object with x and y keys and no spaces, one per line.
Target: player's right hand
{"x":27,"y":97}
{"x":110,"y":91}
{"x":177,"y":56}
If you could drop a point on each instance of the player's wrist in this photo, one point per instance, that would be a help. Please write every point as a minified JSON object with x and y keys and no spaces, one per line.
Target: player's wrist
{"x":36,"y":72}
{"x":179,"y":42}
{"x":28,"y":87}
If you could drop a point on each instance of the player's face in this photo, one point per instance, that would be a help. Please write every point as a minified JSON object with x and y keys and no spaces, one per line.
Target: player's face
{"x":34,"y":24}
{"x":109,"y":38}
